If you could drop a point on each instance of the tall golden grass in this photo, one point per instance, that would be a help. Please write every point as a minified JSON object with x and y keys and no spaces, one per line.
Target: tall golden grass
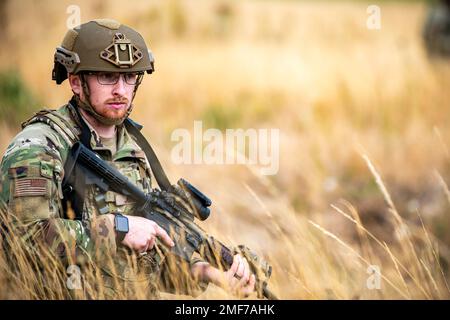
{"x":364,"y":160}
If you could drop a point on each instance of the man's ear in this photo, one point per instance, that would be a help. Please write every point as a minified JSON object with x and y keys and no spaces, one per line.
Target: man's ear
{"x":75,"y":84}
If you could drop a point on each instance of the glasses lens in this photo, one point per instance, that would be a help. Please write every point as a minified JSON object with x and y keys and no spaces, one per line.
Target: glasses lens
{"x":107,"y":77}
{"x":110,"y":78}
{"x":130,"y":78}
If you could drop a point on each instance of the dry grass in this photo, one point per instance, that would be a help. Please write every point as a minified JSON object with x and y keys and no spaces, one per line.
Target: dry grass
{"x":364,"y":128}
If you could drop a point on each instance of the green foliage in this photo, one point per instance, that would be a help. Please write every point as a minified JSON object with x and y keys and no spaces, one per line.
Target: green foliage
{"x":16,"y":99}
{"x":178,"y":22}
{"x":221,"y":117}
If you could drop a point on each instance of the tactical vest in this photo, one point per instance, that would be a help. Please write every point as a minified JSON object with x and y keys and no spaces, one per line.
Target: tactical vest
{"x":135,"y":169}
{"x":96,"y":202}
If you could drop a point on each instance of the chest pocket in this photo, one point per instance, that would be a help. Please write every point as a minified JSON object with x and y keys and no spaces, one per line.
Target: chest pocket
{"x":136,"y":172}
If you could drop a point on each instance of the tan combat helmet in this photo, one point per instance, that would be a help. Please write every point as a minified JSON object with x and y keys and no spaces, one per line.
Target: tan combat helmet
{"x":101,"y":45}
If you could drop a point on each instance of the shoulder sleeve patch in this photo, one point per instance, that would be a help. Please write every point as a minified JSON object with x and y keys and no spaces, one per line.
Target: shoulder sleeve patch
{"x":27,"y":187}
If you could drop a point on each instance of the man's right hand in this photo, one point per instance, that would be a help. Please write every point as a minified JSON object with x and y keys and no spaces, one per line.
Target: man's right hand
{"x":142,"y":234}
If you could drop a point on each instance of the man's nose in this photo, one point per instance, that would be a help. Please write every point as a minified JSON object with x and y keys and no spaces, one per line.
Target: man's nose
{"x":120,"y":87}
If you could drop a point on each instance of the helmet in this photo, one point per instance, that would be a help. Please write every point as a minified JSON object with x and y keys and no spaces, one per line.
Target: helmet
{"x":101,"y":45}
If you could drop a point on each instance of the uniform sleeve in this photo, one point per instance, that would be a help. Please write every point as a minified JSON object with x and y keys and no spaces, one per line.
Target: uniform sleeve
{"x":31,"y":187}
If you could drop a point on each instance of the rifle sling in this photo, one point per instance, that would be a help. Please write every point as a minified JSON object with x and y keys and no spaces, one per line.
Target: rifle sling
{"x":155,"y":165}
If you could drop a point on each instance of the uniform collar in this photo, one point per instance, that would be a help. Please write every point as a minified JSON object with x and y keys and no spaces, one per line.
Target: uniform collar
{"x":126,"y":145}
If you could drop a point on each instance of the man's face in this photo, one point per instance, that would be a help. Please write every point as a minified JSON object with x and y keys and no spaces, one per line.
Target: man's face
{"x":109,"y":99}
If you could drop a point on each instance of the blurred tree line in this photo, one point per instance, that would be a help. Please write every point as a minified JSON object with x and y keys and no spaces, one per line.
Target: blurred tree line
{"x":16,"y":100}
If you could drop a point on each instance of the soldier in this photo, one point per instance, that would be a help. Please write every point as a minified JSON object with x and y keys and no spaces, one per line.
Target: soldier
{"x":104,"y":62}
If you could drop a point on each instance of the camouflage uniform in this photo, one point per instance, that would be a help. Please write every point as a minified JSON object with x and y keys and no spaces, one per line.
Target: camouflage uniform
{"x":32,"y":169}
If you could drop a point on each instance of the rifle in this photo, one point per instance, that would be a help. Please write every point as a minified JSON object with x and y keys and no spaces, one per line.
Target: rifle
{"x":162,"y":207}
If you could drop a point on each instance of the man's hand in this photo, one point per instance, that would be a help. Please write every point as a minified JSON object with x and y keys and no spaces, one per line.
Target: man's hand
{"x":238,"y":279}
{"x":142,"y":234}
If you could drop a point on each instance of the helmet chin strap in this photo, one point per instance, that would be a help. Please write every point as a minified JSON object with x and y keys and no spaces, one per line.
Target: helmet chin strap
{"x":87,"y":106}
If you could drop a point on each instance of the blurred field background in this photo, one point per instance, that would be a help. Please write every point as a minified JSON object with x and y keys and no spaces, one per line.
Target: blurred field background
{"x":363,"y":118}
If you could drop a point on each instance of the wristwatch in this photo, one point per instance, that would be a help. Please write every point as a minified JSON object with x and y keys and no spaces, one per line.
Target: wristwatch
{"x":121,"y":226}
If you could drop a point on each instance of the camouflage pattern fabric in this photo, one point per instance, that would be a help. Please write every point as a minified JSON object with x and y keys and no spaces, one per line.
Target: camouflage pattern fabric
{"x":32,"y":171}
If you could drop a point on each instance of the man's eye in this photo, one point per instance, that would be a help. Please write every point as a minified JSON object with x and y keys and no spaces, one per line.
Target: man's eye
{"x":130,"y":76}
{"x":107,"y":77}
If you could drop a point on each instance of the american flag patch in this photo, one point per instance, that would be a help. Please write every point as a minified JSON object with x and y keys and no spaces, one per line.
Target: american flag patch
{"x":30,"y":187}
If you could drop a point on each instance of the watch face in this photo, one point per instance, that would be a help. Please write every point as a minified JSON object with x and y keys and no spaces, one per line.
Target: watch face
{"x":121,"y":223}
